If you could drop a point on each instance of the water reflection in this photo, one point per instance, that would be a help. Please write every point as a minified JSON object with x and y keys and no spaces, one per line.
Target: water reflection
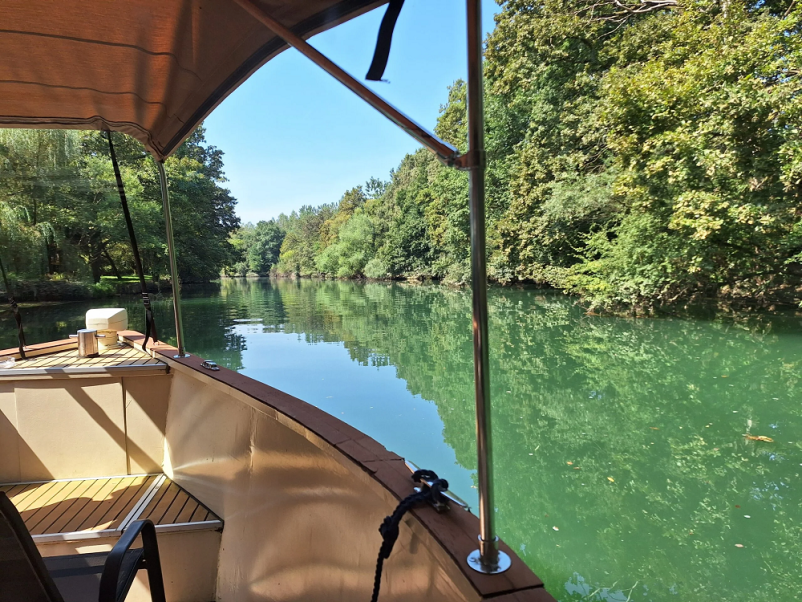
{"x":623,"y":470}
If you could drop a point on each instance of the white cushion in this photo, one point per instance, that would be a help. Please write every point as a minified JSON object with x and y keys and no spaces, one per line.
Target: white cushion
{"x":107,"y":318}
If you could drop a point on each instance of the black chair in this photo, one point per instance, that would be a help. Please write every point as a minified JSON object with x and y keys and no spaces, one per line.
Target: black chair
{"x":104,"y":577}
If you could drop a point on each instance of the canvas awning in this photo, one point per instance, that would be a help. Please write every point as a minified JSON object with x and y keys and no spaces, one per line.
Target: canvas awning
{"x":153,"y":69}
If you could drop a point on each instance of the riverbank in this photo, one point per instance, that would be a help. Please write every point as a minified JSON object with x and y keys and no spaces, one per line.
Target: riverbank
{"x":61,"y":290}
{"x":725,"y":299}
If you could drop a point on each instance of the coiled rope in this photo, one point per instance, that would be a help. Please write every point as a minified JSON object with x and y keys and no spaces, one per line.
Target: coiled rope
{"x":389,"y":527}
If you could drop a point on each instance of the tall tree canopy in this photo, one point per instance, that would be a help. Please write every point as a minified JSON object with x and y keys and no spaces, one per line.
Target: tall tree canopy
{"x":60,"y":210}
{"x":639,"y":152}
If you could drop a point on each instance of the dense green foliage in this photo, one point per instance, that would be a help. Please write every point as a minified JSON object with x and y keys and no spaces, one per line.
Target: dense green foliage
{"x":60,"y":214}
{"x":256,"y":248}
{"x":639,"y":153}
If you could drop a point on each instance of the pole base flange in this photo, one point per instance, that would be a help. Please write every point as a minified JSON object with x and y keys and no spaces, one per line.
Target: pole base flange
{"x":180,"y":357}
{"x":475,"y":562}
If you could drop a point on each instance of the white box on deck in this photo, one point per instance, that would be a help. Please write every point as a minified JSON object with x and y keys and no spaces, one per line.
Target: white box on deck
{"x":107,"y":318}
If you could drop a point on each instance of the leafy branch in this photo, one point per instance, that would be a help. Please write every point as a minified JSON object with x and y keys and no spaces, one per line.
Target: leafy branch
{"x":616,"y":11}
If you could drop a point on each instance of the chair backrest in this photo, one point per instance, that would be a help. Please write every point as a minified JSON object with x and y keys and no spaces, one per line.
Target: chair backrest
{"x":23,"y":576}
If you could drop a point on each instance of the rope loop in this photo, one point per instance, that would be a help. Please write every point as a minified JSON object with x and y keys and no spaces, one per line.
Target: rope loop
{"x":389,"y":529}
{"x":422,"y":474}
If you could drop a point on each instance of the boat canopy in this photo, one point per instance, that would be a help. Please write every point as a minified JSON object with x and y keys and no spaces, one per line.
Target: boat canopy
{"x":153,"y":69}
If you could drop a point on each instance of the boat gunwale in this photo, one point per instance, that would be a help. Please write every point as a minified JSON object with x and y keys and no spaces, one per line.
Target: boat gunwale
{"x":40,"y":349}
{"x":454,"y":531}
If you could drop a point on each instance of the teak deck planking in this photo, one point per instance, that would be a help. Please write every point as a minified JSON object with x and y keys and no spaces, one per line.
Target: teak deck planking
{"x":81,"y":505}
{"x":113,"y":357}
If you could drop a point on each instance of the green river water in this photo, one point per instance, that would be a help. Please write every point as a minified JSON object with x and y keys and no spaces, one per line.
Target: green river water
{"x":622,"y":468}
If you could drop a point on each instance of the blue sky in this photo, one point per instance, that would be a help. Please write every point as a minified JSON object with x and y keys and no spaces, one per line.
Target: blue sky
{"x":294,"y":136}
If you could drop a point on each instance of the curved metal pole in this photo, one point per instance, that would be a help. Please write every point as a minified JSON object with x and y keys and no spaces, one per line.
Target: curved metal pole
{"x":487,"y":559}
{"x":168,"y":224}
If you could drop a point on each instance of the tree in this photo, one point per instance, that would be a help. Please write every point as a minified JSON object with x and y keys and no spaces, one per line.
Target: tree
{"x":348,"y":257}
{"x":63,"y":184}
{"x":639,"y":154}
{"x":704,"y":135}
{"x":302,"y":242}
{"x":204,"y":210}
{"x":38,"y":181}
{"x":263,"y":245}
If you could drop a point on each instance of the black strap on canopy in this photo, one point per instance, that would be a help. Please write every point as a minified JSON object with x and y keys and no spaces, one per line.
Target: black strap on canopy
{"x":150,"y":324}
{"x":15,"y":310}
{"x":384,"y":41}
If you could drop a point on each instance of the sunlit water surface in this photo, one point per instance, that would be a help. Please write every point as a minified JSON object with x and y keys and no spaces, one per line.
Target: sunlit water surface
{"x":622,"y":468}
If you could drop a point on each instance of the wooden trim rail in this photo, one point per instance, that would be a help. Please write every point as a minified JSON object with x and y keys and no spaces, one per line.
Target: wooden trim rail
{"x":454,"y":531}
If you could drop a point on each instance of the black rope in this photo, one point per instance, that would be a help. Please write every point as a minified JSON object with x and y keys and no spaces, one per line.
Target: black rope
{"x":385,"y":39}
{"x":150,"y":323}
{"x":389,"y":527}
{"x":15,"y":311}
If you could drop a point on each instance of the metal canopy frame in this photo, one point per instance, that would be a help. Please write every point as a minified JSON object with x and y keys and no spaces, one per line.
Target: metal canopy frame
{"x":174,"y":284}
{"x":487,"y":558}
{"x":445,"y":152}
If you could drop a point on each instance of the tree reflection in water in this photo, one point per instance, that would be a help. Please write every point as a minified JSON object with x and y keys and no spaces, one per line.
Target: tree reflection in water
{"x":626,"y":435}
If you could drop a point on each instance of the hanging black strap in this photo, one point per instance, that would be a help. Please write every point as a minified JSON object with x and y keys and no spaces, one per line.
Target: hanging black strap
{"x":384,"y":41}
{"x":389,"y":527}
{"x":15,"y":310}
{"x":150,"y":324}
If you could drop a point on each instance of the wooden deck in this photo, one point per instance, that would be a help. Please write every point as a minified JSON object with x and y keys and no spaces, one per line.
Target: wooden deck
{"x":85,"y":508}
{"x":171,"y":505}
{"x":66,"y":362}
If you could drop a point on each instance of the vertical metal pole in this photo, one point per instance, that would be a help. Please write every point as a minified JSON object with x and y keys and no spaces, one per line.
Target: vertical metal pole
{"x":488,"y":558}
{"x":168,"y":224}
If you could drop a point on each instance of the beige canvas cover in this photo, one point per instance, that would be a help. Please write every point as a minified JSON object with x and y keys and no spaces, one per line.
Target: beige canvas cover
{"x":152,"y":69}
